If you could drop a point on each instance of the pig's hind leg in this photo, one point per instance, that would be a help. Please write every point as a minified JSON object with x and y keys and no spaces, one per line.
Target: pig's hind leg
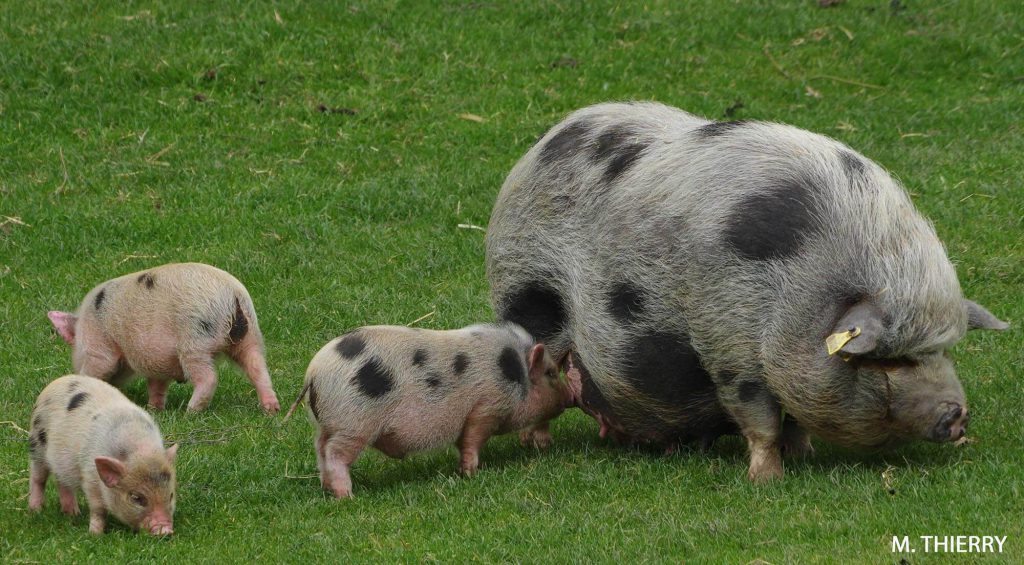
{"x":38,"y":472}
{"x":198,"y":369}
{"x":249,"y":355}
{"x":339,"y":452}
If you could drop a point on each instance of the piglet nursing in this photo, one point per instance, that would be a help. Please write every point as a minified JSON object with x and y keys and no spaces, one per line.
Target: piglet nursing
{"x":168,"y":323}
{"x":92,"y":438}
{"x":405,"y":390}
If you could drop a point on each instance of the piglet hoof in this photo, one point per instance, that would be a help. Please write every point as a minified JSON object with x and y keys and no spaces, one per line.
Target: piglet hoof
{"x":341,"y":493}
{"x":271,"y":406}
{"x":540,"y":439}
{"x":468,"y":472}
{"x":35,"y":506}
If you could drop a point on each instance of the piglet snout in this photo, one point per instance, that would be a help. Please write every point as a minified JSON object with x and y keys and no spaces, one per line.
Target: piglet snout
{"x":952,"y":424}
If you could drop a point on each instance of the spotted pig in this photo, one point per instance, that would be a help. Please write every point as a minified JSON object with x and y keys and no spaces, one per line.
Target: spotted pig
{"x":92,"y":438}
{"x":687,"y":274}
{"x":168,"y":323}
{"x":405,"y":390}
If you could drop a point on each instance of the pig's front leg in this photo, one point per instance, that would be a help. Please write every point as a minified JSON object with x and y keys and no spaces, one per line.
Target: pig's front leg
{"x":198,"y":369}
{"x":538,"y":436}
{"x":68,"y":503}
{"x":157,"y":392}
{"x":475,"y":433}
{"x":97,"y":511}
{"x":757,"y":412}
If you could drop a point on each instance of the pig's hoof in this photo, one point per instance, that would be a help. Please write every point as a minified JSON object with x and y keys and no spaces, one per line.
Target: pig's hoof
{"x":271,"y":406}
{"x":342,"y":493}
{"x":468,"y":472}
{"x":764,"y":474}
{"x":71,"y":509}
{"x":35,"y":506}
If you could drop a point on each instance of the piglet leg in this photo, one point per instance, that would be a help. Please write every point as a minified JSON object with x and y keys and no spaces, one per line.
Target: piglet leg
{"x":538,"y":436}
{"x":37,"y":475}
{"x":68,"y":504}
{"x":157,"y":392}
{"x":339,"y":453}
{"x":199,"y":371}
{"x":97,"y":512}
{"x":251,"y":358}
{"x":475,"y":433}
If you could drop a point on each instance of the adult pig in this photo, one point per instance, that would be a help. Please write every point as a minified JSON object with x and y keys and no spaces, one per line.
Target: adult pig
{"x":168,"y":323}
{"x":92,"y":438}
{"x":405,"y":390}
{"x":688,"y":274}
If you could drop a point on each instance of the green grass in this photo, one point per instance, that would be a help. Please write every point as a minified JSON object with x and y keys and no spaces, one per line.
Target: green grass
{"x":153,"y":132}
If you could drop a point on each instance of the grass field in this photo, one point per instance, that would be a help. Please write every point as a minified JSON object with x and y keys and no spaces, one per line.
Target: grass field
{"x":325,"y":154}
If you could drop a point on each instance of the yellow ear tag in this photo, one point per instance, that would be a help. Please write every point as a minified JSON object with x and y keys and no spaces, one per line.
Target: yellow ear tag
{"x":836,"y":341}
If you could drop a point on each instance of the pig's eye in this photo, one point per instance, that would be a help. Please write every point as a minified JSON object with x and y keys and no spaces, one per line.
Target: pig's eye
{"x":137,"y":499}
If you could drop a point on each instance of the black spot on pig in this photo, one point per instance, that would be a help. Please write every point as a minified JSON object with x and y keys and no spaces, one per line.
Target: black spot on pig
{"x":536,"y":307}
{"x":419,"y":357}
{"x":205,"y":326}
{"x":433,"y":380}
{"x":312,"y":401}
{"x":511,"y":366}
{"x":852,"y":164}
{"x":41,"y":438}
{"x":772,"y":224}
{"x":374,"y":378}
{"x":350,"y":346}
{"x":239,"y":325}
{"x":37,"y":422}
{"x":715,"y":129}
{"x":461,"y":363}
{"x":665,"y":367}
{"x":33,"y":445}
{"x":565,"y":143}
{"x":99,"y":298}
{"x":147,"y":279}
{"x":620,"y":148}
{"x":751,"y":391}
{"x":77,"y":400}
{"x":625,"y":302}
{"x":160,"y":477}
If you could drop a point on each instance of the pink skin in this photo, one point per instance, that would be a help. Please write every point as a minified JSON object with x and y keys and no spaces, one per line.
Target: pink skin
{"x":163,"y":360}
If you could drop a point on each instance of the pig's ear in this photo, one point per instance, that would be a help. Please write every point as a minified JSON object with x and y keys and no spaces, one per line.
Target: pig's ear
{"x":857,"y":332}
{"x":64,"y":322}
{"x":536,"y":360}
{"x":172,"y":453}
{"x":111,"y":470}
{"x":978,"y":318}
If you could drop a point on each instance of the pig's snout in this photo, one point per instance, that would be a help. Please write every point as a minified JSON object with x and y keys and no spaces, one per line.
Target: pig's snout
{"x":952,"y":424}
{"x":159,"y":524}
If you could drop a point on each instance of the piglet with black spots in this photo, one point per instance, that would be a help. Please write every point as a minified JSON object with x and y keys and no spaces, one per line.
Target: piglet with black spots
{"x":168,"y":323}
{"x":92,"y":438}
{"x":405,"y":390}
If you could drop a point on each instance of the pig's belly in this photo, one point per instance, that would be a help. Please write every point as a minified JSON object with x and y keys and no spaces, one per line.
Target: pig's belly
{"x":154,"y":355}
{"x":420,"y":426}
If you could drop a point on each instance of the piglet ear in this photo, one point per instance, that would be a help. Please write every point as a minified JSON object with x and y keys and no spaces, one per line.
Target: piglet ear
{"x":535,"y":358}
{"x":857,"y":332}
{"x":64,"y":322}
{"x":978,"y":318}
{"x":172,"y":453}
{"x":111,"y":470}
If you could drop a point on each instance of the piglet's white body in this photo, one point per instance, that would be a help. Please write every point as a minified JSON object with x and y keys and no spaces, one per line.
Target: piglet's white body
{"x":93,"y":439}
{"x":168,"y":323}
